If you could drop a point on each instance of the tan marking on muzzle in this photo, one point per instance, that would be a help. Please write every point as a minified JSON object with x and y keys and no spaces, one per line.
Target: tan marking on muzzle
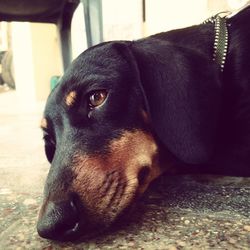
{"x":108,"y":183}
{"x":70,"y":98}
{"x":44,"y":123}
{"x":138,"y":150}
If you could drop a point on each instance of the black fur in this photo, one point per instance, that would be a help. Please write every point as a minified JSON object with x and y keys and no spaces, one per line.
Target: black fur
{"x":198,"y":114}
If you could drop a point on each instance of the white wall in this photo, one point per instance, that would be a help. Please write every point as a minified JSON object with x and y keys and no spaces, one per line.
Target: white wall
{"x":164,"y":15}
{"x":78,"y":32}
{"x":36,"y":58}
{"x":46,"y":57}
{"x":23,"y":65}
{"x":122,"y":19}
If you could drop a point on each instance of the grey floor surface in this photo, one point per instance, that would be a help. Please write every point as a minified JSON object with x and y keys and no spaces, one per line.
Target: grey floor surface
{"x":182,"y":212}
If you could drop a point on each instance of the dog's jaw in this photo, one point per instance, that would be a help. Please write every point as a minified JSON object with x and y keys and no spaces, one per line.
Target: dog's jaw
{"x":107,"y":184}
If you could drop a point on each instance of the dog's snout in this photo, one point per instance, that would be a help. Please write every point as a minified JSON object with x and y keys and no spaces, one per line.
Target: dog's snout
{"x":60,"y":221}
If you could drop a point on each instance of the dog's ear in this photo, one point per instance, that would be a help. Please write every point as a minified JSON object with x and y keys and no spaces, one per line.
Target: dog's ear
{"x":182,"y":96}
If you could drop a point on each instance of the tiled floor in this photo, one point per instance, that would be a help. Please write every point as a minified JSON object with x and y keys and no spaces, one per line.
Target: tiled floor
{"x":185,"y":212}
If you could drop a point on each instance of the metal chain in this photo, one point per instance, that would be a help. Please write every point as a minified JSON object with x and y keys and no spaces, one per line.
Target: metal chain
{"x":221,"y":39}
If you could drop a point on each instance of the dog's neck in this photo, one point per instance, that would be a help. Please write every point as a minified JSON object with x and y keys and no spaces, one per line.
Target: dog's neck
{"x":221,"y":39}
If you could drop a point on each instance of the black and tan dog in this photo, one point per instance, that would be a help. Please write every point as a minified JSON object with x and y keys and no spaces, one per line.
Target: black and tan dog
{"x":125,"y":112}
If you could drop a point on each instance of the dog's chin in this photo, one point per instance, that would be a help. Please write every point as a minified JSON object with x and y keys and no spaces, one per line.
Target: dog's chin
{"x":88,"y":232}
{"x":102,"y":225}
{"x":110,"y":222}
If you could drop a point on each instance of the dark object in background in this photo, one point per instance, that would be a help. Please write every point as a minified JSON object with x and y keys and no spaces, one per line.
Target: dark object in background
{"x":7,"y":75}
{"x":54,"y":81}
{"x":1,"y":56}
{"x":59,"y":12}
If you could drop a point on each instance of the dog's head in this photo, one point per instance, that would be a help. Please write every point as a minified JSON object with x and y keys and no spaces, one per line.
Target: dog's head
{"x":99,"y":140}
{"x":99,"y":143}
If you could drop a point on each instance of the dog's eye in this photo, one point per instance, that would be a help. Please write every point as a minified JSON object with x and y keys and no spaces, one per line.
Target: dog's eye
{"x":50,"y":151}
{"x":49,"y":147}
{"x":97,"y":98}
{"x":47,"y":139}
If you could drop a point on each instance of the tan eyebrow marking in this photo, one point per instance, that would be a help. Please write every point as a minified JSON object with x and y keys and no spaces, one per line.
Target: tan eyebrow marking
{"x":70,"y":98}
{"x":44,"y":123}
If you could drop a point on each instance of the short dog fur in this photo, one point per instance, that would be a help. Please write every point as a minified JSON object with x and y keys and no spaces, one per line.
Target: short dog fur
{"x":127,"y":111}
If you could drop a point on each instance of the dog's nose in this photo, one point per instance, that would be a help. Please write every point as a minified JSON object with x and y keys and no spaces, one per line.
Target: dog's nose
{"x":60,"y":221}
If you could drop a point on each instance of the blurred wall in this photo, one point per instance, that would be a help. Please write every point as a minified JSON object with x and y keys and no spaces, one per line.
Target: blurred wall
{"x":46,"y":57}
{"x":23,"y":65}
{"x":122,"y":19}
{"x":36,"y":57}
{"x":164,"y":15}
{"x":78,"y":32}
